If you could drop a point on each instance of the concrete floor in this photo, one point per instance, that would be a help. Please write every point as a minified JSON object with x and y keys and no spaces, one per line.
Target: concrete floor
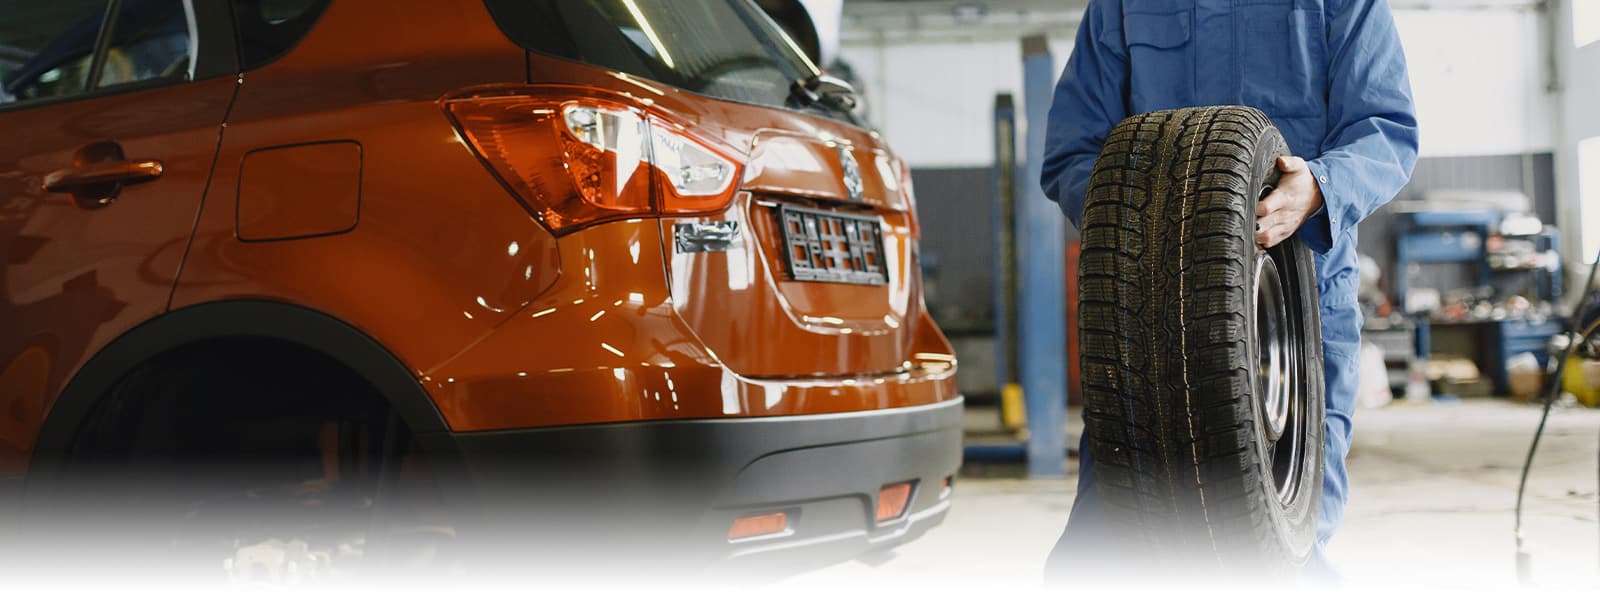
{"x":1433,"y":489}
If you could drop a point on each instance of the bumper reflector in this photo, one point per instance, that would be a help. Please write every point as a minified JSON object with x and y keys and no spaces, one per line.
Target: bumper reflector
{"x":949,"y":482}
{"x":761,"y":524}
{"x":892,"y":501}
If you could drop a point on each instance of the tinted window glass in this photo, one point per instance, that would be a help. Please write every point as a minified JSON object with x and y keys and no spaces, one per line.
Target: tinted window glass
{"x":46,"y":47}
{"x":150,"y":40}
{"x":269,"y":28}
{"x":723,"y":48}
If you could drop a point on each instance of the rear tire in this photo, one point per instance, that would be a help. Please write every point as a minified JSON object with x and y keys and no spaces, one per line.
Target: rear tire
{"x":240,"y":460}
{"x":1202,"y":362}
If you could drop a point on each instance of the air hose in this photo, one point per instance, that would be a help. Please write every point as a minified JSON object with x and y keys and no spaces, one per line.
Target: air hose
{"x":1550,"y":391}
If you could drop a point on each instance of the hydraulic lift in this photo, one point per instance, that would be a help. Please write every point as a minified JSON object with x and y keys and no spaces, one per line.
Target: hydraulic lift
{"x":1031,"y":309}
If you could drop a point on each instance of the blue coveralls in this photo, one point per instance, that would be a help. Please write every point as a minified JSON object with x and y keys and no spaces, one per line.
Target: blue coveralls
{"x":1329,"y":73}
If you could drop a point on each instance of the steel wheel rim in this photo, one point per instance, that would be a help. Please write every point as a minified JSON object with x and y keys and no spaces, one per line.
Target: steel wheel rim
{"x":1279,"y":390}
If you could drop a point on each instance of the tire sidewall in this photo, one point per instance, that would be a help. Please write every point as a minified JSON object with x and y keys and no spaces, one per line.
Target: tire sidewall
{"x":1293,"y":525}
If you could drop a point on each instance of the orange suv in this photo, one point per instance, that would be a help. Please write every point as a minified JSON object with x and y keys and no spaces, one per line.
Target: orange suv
{"x":543,"y":258}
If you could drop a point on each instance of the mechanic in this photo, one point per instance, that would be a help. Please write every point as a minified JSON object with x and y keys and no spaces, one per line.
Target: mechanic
{"x":1332,"y":77}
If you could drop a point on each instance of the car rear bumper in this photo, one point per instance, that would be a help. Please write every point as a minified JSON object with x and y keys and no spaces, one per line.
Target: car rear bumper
{"x":674,"y":487}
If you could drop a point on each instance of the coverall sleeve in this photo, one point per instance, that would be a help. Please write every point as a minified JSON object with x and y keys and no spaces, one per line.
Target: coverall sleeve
{"x":1089,"y":101}
{"x":1371,"y":144}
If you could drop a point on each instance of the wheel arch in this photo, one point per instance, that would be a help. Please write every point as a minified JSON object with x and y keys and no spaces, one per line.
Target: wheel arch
{"x":285,"y":322}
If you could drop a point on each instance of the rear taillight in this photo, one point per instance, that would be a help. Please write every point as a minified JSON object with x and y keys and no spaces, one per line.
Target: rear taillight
{"x":697,"y":179}
{"x":578,"y":157}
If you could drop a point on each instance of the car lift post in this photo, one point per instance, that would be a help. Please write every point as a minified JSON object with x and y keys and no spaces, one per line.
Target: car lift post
{"x":1040,"y":228}
{"x":1005,"y":181}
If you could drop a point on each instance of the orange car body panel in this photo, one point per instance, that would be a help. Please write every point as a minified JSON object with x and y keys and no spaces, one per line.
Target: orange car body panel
{"x":730,"y":335}
{"x":605,"y":346}
{"x":299,"y":190}
{"x":78,"y":277}
{"x":505,"y":324}
{"x":439,"y":255}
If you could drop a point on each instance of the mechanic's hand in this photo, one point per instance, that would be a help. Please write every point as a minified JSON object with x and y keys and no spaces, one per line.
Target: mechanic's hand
{"x":1289,"y":205}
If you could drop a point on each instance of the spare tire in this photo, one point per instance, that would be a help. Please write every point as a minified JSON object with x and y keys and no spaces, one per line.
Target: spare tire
{"x":1201,"y":358}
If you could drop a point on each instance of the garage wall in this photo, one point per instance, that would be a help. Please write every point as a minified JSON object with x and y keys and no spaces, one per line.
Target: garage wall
{"x":1480,"y":79}
{"x":934,"y":101}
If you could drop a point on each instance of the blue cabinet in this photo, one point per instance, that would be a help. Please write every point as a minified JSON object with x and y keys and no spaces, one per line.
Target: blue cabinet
{"x":1442,"y":246}
{"x":1512,"y":337}
{"x":1461,"y":237}
{"x":1439,"y":237}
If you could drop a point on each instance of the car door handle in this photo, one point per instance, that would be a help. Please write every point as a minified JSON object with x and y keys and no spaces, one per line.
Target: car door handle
{"x":114,"y":172}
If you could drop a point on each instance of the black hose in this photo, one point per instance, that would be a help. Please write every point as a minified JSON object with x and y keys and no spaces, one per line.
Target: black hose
{"x":1551,"y":390}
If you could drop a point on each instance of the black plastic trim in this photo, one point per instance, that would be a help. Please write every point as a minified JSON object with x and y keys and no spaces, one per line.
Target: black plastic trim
{"x":689,"y":459}
{"x":218,"y":53}
{"x":222,"y":319}
{"x":756,"y":436}
{"x":635,"y":486}
{"x":319,"y":9}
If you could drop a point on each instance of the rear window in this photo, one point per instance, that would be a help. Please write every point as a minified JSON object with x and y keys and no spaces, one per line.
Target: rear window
{"x":728,"y":49}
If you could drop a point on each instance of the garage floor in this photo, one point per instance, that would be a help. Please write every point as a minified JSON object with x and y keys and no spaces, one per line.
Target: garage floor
{"x":1433,"y":490}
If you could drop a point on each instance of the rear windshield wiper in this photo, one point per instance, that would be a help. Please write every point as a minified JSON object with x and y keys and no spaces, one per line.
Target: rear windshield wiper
{"x":824,"y":90}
